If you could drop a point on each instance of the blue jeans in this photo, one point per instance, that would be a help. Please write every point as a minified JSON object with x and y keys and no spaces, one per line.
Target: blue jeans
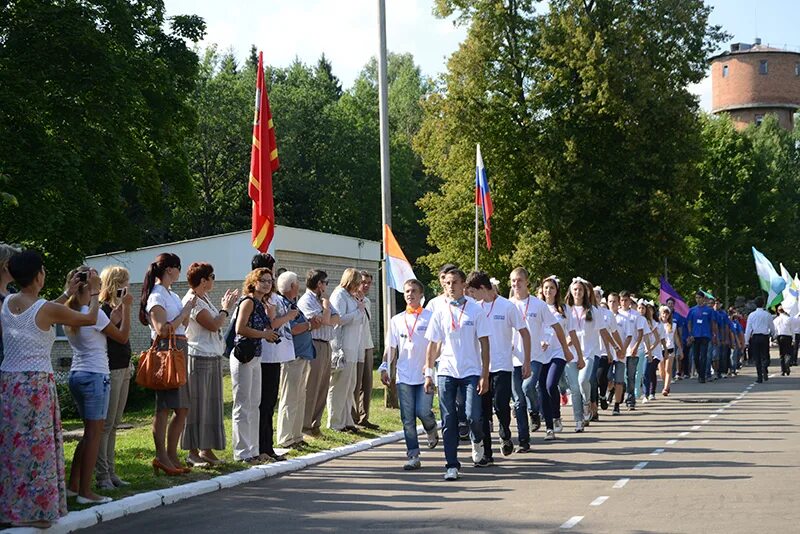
{"x":91,"y":392}
{"x":640,"y":369}
{"x":571,"y":374}
{"x":524,"y":394}
{"x":585,"y":378}
{"x":650,"y":378}
{"x":549,"y":397}
{"x":735,"y":355}
{"x":699,"y":355}
{"x":448,"y":389}
{"x":414,"y":402}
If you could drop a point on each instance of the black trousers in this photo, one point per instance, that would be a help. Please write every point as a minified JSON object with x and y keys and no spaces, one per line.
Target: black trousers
{"x":786,"y":351}
{"x":499,"y":398}
{"x":759,"y":353}
{"x":602,"y":375}
{"x":270,"y":379}
{"x":796,"y":346}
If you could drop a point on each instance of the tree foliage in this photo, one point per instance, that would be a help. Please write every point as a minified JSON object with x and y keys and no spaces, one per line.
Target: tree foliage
{"x":94,"y":111}
{"x":588,"y":132}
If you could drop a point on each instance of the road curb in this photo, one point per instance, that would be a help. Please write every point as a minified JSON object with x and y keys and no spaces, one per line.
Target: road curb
{"x":163,"y":497}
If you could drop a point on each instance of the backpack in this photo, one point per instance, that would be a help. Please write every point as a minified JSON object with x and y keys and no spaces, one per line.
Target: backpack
{"x":230,"y":333}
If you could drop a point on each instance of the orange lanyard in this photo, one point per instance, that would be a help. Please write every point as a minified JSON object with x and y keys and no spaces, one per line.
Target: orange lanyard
{"x":581,"y":320}
{"x":453,"y":323}
{"x":525,"y":313}
{"x":413,"y":328}
{"x":490,"y":308}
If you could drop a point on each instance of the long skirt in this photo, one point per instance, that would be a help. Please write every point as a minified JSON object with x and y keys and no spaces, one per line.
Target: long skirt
{"x":32,"y":485}
{"x":204,"y":425}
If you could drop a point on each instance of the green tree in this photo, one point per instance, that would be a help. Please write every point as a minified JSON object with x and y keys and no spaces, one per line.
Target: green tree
{"x":94,"y":111}
{"x":588,"y":132}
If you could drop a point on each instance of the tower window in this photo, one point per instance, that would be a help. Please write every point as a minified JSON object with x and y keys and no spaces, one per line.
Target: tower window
{"x":763,"y":67}
{"x":759,"y":119}
{"x":797,"y":69}
{"x":724,"y":71}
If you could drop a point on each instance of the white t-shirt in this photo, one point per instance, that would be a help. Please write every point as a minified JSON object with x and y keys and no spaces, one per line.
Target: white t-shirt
{"x":161,"y":296}
{"x":410,"y":349}
{"x":458,"y":330}
{"x":610,"y":324}
{"x":656,"y":334}
{"x":89,"y":345}
{"x":554,"y":349}
{"x":202,"y":341}
{"x":284,"y":351}
{"x":441,"y":301}
{"x":505,"y":320}
{"x":624,"y":328}
{"x":635,"y":323}
{"x":588,"y":331}
{"x":538,"y":317}
{"x":670,"y":337}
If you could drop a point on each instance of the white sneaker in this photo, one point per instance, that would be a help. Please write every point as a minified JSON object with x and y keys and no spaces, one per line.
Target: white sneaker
{"x":578,"y":426}
{"x":586,"y":414}
{"x":412,"y":464}
{"x":433,"y":438}
{"x":653,"y":396}
{"x":452,"y":474}
{"x":549,"y":435}
{"x":558,"y":426}
{"x":477,"y":452}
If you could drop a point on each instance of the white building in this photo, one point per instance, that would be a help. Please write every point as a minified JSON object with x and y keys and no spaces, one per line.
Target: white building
{"x":230,"y":254}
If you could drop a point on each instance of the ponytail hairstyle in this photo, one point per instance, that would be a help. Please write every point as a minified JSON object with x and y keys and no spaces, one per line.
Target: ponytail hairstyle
{"x":155,"y":272}
{"x":73,"y":302}
{"x":588,"y":297}
{"x":557,"y":302}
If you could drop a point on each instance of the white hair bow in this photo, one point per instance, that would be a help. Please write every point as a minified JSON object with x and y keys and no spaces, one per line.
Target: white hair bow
{"x":494,"y":282}
{"x":555,"y":279}
{"x":579,"y":279}
{"x":646,"y":302}
{"x":599,"y":289}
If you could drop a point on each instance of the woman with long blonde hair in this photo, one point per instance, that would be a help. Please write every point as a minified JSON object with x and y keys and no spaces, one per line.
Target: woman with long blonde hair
{"x":113,"y":294}
{"x":345,"y":346}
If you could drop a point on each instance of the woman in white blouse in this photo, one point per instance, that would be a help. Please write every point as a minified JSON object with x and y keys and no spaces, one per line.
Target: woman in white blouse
{"x":205,"y":429}
{"x":345,"y":348}
{"x":161,"y":309}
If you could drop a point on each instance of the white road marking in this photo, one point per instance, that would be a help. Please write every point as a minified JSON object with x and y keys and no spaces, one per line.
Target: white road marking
{"x":572,"y":521}
{"x":656,"y":452}
{"x":640,"y":466}
{"x":696,"y":427}
{"x":713,"y":415}
{"x":705,"y":421}
{"x":598,"y":501}
{"x":733,"y":401}
{"x":721,"y":410}
{"x":682,"y":434}
{"x":672,"y":442}
{"x":621,"y":483}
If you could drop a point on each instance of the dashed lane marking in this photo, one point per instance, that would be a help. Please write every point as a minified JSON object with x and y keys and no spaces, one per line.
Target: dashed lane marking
{"x":640,"y":466}
{"x":657,"y":452}
{"x":572,"y":521}
{"x":621,"y":483}
{"x":696,"y":427}
{"x":672,"y":442}
{"x":598,"y":501}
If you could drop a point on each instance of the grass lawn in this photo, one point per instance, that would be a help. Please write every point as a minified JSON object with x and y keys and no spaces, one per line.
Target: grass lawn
{"x":135,"y":449}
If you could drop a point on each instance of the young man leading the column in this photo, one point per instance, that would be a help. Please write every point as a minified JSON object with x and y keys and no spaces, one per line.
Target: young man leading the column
{"x":458,"y":336}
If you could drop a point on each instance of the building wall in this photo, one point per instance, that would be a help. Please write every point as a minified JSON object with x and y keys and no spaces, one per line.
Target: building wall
{"x":745,"y":86}
{"x":295,"y":249}
{"x":744,"y":117}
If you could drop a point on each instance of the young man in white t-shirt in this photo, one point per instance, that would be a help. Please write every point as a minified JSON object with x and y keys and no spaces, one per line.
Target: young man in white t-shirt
{"x":505,"y":320}
{"x":405,"y":348}
{"x":458,"y":337}
{"x":625,"y":333}
{"x":637,"y":325}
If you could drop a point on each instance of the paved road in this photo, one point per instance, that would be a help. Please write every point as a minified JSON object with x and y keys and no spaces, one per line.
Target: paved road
{"x":674,"y":465}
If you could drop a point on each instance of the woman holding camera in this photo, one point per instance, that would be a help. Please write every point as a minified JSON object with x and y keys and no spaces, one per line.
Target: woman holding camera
{"x":113,"y":296}
{"x":90,"y":382}
{"x":252,"y":323}
{"x":205,"y":430}
{"x":32,"y":488}
{"x":162,"y":310}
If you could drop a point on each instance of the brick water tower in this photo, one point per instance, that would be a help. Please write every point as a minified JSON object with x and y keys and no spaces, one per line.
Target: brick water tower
{"x":751,"y":81}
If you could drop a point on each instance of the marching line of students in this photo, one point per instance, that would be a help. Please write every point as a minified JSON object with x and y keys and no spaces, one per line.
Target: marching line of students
{"x":489,"y":356}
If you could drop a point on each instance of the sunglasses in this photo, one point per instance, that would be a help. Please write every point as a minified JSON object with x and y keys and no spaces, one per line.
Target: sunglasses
{"x":212,"y":277}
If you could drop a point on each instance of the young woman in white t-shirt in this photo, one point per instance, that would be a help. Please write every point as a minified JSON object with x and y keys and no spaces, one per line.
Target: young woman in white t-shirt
{"x":162,"y":310}
{"x":90,"y":383}
{"x":672,"y":345}
{"x":652,"y":342}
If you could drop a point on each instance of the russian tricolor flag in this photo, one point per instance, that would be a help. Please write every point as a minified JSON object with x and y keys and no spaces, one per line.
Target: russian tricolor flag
{"x":483,"y":196}
{"x":398,"y":269}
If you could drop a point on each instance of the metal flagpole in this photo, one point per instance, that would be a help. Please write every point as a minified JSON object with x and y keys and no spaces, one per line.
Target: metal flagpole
{"x":476,"y":213}
{"x":386,"y":198}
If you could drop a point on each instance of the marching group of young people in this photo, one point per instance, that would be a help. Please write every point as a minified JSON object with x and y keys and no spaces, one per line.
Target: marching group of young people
{"x":487,"y":354}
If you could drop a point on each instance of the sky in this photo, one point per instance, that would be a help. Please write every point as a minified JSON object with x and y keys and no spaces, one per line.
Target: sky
{"x":347,"y":30}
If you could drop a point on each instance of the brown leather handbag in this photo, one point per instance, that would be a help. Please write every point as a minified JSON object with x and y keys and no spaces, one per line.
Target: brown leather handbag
{"x":162,"y":369}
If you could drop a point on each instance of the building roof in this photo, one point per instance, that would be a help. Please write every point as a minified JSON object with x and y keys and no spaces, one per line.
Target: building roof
{"x":230,"y":254}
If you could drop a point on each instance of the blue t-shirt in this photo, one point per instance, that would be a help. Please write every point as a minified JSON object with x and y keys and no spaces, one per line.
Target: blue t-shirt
{"x":735,"y":327}
{"x":722,"y":323}
{"x":700,"y":317}
{"x":680,"y":320}
{"x":303,"y":344}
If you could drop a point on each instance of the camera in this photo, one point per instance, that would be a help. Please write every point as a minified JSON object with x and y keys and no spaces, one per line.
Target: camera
{"x":122,"y":292}
{"x":83,"y":276}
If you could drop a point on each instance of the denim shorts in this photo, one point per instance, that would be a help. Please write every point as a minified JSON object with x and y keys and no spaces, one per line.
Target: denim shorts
{"x":91,"y":392}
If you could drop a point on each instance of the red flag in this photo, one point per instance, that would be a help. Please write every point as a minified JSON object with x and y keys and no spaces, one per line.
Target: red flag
{"x":263,"y":162}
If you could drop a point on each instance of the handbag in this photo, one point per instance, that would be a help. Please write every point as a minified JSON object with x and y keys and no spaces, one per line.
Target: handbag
{"x":162,"y":369}
{"x":244,"y":348}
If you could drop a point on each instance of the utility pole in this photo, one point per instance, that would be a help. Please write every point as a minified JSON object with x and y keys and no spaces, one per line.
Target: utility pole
{"x":386,"y":191}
